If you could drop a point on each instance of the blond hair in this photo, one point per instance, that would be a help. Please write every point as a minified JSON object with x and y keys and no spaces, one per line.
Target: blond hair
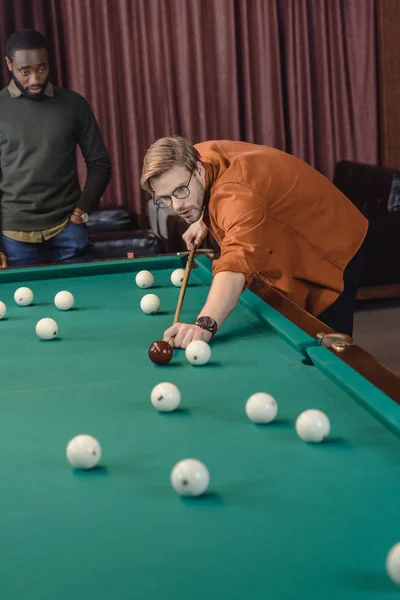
{"x":164,"y":154}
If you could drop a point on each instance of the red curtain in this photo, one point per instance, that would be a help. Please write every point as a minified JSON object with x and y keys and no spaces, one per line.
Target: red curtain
{"x":296,"y":74}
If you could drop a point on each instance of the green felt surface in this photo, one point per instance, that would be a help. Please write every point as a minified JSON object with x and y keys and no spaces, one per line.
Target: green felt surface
{"x":283,"y":519}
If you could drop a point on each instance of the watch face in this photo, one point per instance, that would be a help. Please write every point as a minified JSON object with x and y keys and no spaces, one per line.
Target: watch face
{"x":85,"y":217}
{"x":206,"y":322}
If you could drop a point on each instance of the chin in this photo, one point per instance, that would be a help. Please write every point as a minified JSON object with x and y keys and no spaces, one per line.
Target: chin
{"x":194,"y":219}
{"x":37,"y":96}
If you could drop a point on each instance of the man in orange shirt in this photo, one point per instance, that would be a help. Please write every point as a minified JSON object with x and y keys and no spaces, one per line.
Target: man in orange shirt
{"x":272,"y":215}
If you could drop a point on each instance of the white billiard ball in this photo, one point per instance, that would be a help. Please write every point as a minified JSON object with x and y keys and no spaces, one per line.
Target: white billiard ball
{"x":150,"y":304}
{"x":198,"y":352}
{"x":3,"y":310}
{"x":165,"y":397}
{"x":83,"y":452}
{"x":64,"y":300}
{"x":177,"y":277}
{"x":23,"y":296}
{"x":46,"y":329}
{"x":190,"y":477}
{"x":261,"y":408}
{"x":313,"y":426}
{"x":144,"y":279}
{"x":393,"y":563}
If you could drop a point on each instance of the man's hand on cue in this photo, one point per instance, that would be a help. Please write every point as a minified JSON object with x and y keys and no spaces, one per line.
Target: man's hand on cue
{"x":183,"y":334}
{"x":195,"y":234}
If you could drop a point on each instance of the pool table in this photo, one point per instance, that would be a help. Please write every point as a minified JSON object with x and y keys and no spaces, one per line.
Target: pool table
{"x":282,"y":518}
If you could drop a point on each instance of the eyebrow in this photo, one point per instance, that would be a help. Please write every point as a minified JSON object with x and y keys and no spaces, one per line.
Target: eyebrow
{"x":168,"y":195}
{"x":42,"y":64}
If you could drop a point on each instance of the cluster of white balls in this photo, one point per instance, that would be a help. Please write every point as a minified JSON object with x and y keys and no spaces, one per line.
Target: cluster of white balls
{"x":145,"y":279}
{"x":189,"y":477}
{"x":150,"y":303}
{"x":312,"y":425}
{"x":46,"y":329}
{"x":197,"y":352}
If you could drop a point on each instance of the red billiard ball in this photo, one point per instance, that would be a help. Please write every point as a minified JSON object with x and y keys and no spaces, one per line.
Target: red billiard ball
{"x":160,"y":353}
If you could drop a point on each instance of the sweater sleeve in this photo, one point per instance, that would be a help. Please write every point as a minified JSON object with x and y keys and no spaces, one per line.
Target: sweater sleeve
{"x":97,"y":160}
{"x":241,"y":214}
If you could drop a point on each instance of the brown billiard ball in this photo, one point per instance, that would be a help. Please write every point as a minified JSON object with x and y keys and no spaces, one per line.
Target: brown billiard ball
{"x":160,"y":353}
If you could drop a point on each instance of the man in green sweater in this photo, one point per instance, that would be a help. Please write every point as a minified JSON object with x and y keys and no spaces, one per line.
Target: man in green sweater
{"x":43,"y":210}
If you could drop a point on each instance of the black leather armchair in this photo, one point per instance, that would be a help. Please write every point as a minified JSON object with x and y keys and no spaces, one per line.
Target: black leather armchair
{"x":376,"y":192}
{"x":113,"y":233}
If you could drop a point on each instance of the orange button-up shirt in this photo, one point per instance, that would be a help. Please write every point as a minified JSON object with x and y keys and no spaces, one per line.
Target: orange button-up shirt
{"x":275,"y":216}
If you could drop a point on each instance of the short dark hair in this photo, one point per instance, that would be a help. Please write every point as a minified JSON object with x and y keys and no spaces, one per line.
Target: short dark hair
{"x":25,"y":39}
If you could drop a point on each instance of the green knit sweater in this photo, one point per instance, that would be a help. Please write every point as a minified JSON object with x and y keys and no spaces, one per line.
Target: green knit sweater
{"x":39,"y":184}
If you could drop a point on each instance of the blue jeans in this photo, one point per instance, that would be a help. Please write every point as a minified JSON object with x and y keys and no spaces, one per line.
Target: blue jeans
{"x":70,"y":245}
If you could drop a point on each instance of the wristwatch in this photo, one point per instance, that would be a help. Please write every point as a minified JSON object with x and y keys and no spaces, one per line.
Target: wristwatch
{"x":207,"y":323}
{"x":81,"y":214}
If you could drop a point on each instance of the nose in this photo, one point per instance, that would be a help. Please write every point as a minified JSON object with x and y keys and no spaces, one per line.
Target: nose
{"x":176,"y":204}
{"x":34,"y":79}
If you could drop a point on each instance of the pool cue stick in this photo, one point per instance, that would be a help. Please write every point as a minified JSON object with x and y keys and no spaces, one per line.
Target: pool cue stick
{"x":188,"y":268}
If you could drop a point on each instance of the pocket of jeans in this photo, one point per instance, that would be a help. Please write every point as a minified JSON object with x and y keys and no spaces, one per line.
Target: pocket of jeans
{"x":78,"y":232}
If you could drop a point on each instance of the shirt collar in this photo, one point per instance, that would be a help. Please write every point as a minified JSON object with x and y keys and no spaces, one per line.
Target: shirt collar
{"x":15,"y":92}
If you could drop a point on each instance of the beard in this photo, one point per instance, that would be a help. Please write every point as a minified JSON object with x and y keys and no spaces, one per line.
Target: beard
{"x":197,"y":209}
{"x":195,"y":216}
{"x":26,"y":93}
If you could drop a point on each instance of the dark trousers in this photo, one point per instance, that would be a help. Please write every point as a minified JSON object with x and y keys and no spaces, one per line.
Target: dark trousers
{"x":70,"y":245}
{"x":340,"y":315}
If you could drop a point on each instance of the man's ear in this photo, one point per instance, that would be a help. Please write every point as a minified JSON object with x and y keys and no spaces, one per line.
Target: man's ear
{"x":9,"y":63}
{"x":200,"y":171}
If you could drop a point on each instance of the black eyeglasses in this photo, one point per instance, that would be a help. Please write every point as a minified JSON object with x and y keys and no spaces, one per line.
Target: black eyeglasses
{"x":181,"y":192}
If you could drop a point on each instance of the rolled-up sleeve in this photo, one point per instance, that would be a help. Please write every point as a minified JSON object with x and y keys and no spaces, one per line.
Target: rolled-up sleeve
{"x":241,"y":214}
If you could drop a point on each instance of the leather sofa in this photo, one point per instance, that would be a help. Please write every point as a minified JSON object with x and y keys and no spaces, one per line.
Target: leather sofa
{"x":113,"y":233}
{"x":170,"y":228}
